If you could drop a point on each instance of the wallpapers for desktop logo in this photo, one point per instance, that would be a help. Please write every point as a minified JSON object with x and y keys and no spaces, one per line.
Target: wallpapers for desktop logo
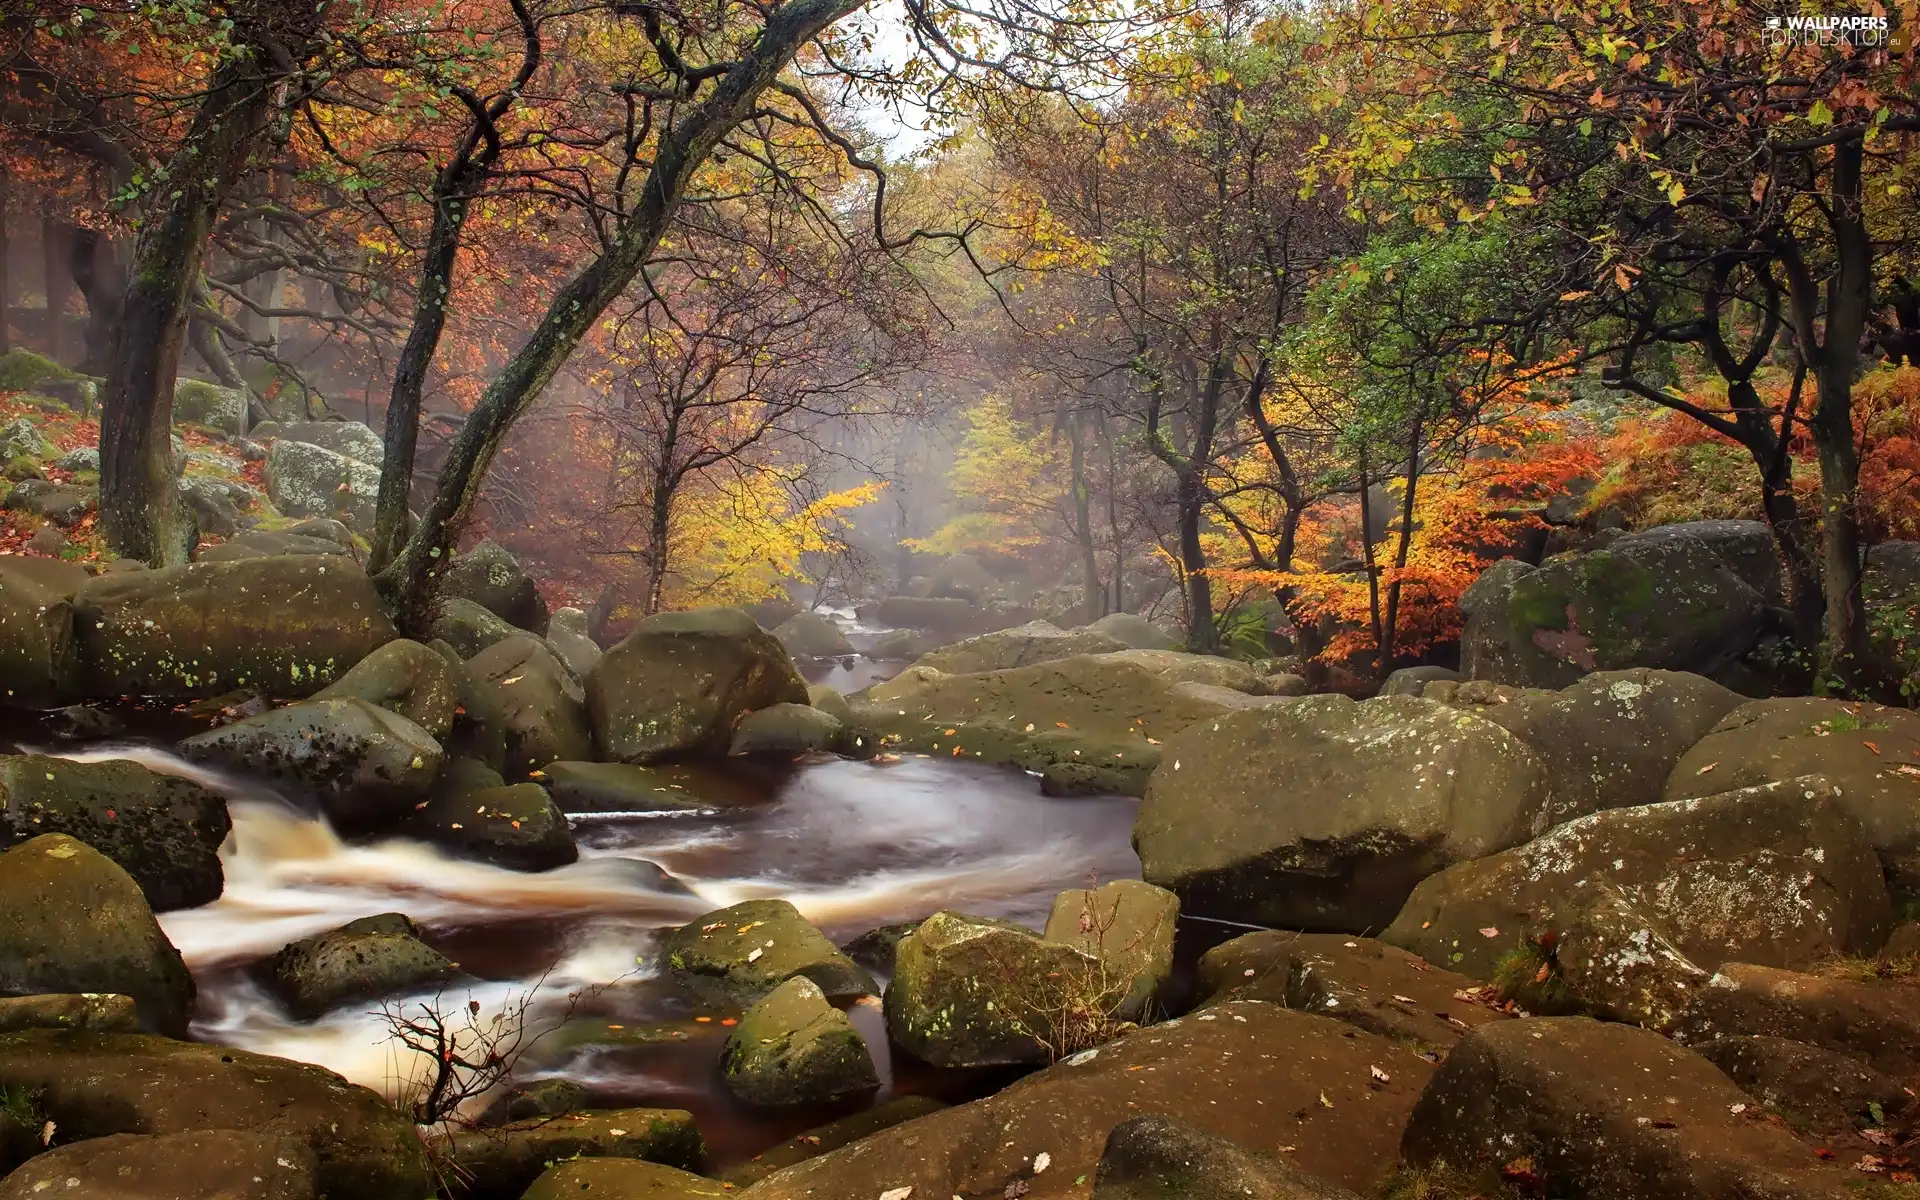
{"x":1853,"y":30}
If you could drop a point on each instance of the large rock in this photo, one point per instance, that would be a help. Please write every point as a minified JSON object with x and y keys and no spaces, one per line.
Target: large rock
{"x":1021,"y":646}
{"x":620,"y":1179}
{"x":96,"y":1085}
{"x":492,"y":578}
{"x":198,"y":402}
{"x":930,"y":614}
{"x":259,"y":543}
{"x":368,"y":959}
{"x":1876,"y":1022}
{"x":1864,"y":749}
{"x":1611,"y":739}
{"x":1332,"y":1098}
{"x":1153,"y":1158}
{"x":502,"y":1163}
{"x":813,"y":635}
{"x":72,"y":921}
{"x":792,"y":1047}
{"x":788,"y":729}
{"x":1128,"y":926}
{"x":366,"y":766}
{"x":63,"y":504}
{"x":567,"y":634}
{"x":680,"y":682}
{"x":1135,"y":630}
{"x":516,"y":826}
{"x":960,"y":576}
{"x":95,"y":1012}
{"x":224,"y":1164}
{"x":479,"y":723}
{"x":350,"y":438}
{"x":305,"y":480}
{"x":164,"y":831}
{"x":285,"y":626}
{"x":737,"y":954}
{"x":1207,"y":670}
{"x":1816,"y":1088}
{"x":39,"y":661}
{"x":824,"y":1139}
{"x":542,"y":707}
{"x":1639,"y":905}
{"x":405,"y":678}
{"x":468,"y":627}
{"x":1604,"y":1110}
{"x":591,"y":787}
{"x":1322,"y":814}
{"x":1413,"y":681}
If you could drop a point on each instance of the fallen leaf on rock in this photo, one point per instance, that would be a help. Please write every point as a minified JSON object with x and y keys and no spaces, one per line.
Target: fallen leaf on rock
{"x":1703,"y":770}
{"x":1823,"y":1154}
{"x":1042,"y":1161}
{"x":1521,"y":1171}
{"x":1871,"y":746}
{"x":1900,"y":1177}
{"x":897,"y":1193}
{"x":1378,"y":1075}
{"x":1878,"y":1137}
{"x":1736,"y":1109}
{"x":1324,"y":1102}
{"x":1871,"y":1164}
{"x":754,"y":955}
{"x":1489,"y":931}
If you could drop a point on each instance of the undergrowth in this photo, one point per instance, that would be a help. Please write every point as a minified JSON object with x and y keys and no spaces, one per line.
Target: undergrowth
{"x":1529,"y":975}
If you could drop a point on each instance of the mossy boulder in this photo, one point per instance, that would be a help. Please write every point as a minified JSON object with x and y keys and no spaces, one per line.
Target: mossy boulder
{"x":263,"y":543}
{"x":502,"y":1163}
{"x":1154,"y":1158}
{"x":468,"y":627}
{"x":1128,"y":925}
{"x":368,"y":959}
{"x":71,"y":920}
{"x":516,"y":826}
{"x":1021,"y":646}
{"x":936,"y":615}
{"x":823,"y":1139}
{"x":95,"y":1012}
{"x":786,"y":729}
{"x":22,"y":370}
{"x":492,"y":578}
{"x":350,"y":438}
{"x":735,"y":955}
{"x":620,"y":1179}
{"x":1413,"y":681}
{"x":1135,"y":630}
{"x":228,"y":1164}
{"x":366,"y":767}
{"x":567,"y":634}
{"x":812,"y":635}
{"x":93,"y":1085}
{"x":1639,"y":905}
{"x":405,"y":678}
{"x":305,"y":480}
{"x":1322,"y":813}
{"x":681,"y":681}
{"x":1072,"y":763}
{"x":591,"y":787}
{"x":542,"y":707}
{"x":283,"y":626}
{"x":39,"y":659}
{"x":793,"y":1047}
{"x":63,"y":504}
{"x":901,"y":645}
{"x":198,"y":402}
{"x":162,"y":830}
{"x":541,"y":1098}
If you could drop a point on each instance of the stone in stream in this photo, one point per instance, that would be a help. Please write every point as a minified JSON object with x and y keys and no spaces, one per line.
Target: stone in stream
{"x":875,"y":948}
{"x":1153,"y":1158}
{"x":1865,"y":750}
{"x":468,"y":627}
{"x":792,"y":1047}
{"x":223,"y":1164}
{"x":1877,"y":1022}
{"x":542,"y":1098}
{"x":1128,"y":925}
{"x":492,"y":578}
{"x":813,"y":635}
{"x":1597,"y":1109}
{"x":591,"y":787}
{"x":620,"y":1179}
{"x":1639,"y":905}
{"x":94,"y":1012}
{"x":542,"y":708}
{"x":935,"y":615}
{"x":825,"y":1138}
{"x":285,"y":626}
{"x":787,"y":729}
{"x":502,"y":1163}
{"x":567,"y":634}
{"x":1071,"y":763}
{"x":368,"y":959}
{"x":71,"y":920}
{"x":93,"y":1085}
{"x":901,"y":645}
{"x":516,"y":826}
{"x":681,"y":681}
{"x":1264,"y":1077}
{"x":1322,"y":813}
{"x":829,"y":700}
{"x":366,"y":766}
{"x":735,"y":955}
{"x":39,"y":661}
{"x":1021,"y":646}
{"x":1819,"y":1090}
{"x":164,"y":831}
{"x":406,"y":678}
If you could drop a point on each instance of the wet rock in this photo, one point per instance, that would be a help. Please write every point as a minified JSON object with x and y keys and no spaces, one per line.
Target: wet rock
{"x":492,"y":578}
{"x":517,"y":826}
{"x":227,"y":1164}
{"x":542,"y":708}
{"x":1363,"y":982}
{"x":1875,"y":1022}
{"x":94,"y":1012}
{"x":502,"y":1163}
{"x":620,"y":1179}
{"x":1071,"y":763}
{"x":468,"y":627}
{"x":368,"y":959}
{"x":350,"y":438}
{"x":1612,"y":738}
{"x":305,"y":480}
{"x":96,"y":1085}
{"x":1227,"y":698}
{"x":545,"y":1098}
{"x":198,"y":402}
{"x":829,"y":700}
{"x":813,"y":635}
{"x":1816,"y":1089}
{"x":1861,"y":748}
{"x":1021,"y":646}
{"x":901,"y":645}
{"x":1594,"y":1109}
{"x":787,"y":729}
{"x":162,"y":830}
{"x":1322,"y":814}
{"x":406,"y":678}
{"x":567,"y":634}
{"x":285,"y":626}
{"x":61,"y":503}
{"x":681,"y":681}
{"x":825,"y":1138}
{"x":737,"y":954}
{"x":1642,"y":904}
{"x":929,"y":615}
{"x":792,"y":1047}
{"x":479,"y":722}
{"x":1257,"y":1074}
{"x":1128,"y":925}
{"x":71,"y":920}
{"x":1135,"y":630}
{"x":1412,"y":681}
{"x":1153,"y":1158}
{"x":39,"y":662}
{"x":591,"y":787}
{"x":875,"y":948}
{"x":366,"y":766}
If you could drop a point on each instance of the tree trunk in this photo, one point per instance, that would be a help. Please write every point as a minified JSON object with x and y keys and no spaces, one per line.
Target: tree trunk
{"x":1390,"y":634}
{"x":56,"y":278}
{"x":1093,"y":597}
{"x":1202,"y":637}
{"x":95,"y":267}
{"x":1373,"y":568}
{"x":6,"y":275}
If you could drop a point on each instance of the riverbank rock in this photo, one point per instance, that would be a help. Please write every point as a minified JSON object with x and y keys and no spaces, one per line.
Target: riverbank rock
{"x":1021,"y":646}
{"x":405,"y":678}
{"x":517,"y":826}
{"x":542,"y":706}
{"x":1816,"y":1089}
{"x":1205,"y":670}
{"x":367,"y":767}
{"x":1071,"y":763}
{"x":591,"y":787}
{"x":681,"y":681}
{"x":1594,"y":1109}
{"x":1611,"y":739}
{"x":492,"y":578}
{"x":39,"y":660}
{"x":1413,"y":681}
{"x":97,"y":1085}
{"x":567,"y":634}
{"x":229,"y":1164}
{"x":936,"y":615}
{"x":1153,"y":1158}
{"x":1322,"y":813}
{"x":285,"y":626}
{"x":368,"y":959}
{"x":813,"y":635}
{"x":1127,"y":925}
{"x":305,"y":480}
{"x":830,"y":700}
{"x":1875,"y":1022}
{"x":502,"y":1163}
{"x":901,"y":645}
{"x":620,"y":1179}
{"x":93,"y":1012}
{"x":1135,"y":630}
{"x":1865,"y":750}
{"x":736,"y":955}
{"x":1640,"y":905}
{"x":1259,"y":1075}
{"x":468,"y":627}
{"x":823,"y":1139}
{"x":788,"y":729}
{"x":792,"y":1047}
{"x":71,"y":920}
{"x":163,"y":831}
